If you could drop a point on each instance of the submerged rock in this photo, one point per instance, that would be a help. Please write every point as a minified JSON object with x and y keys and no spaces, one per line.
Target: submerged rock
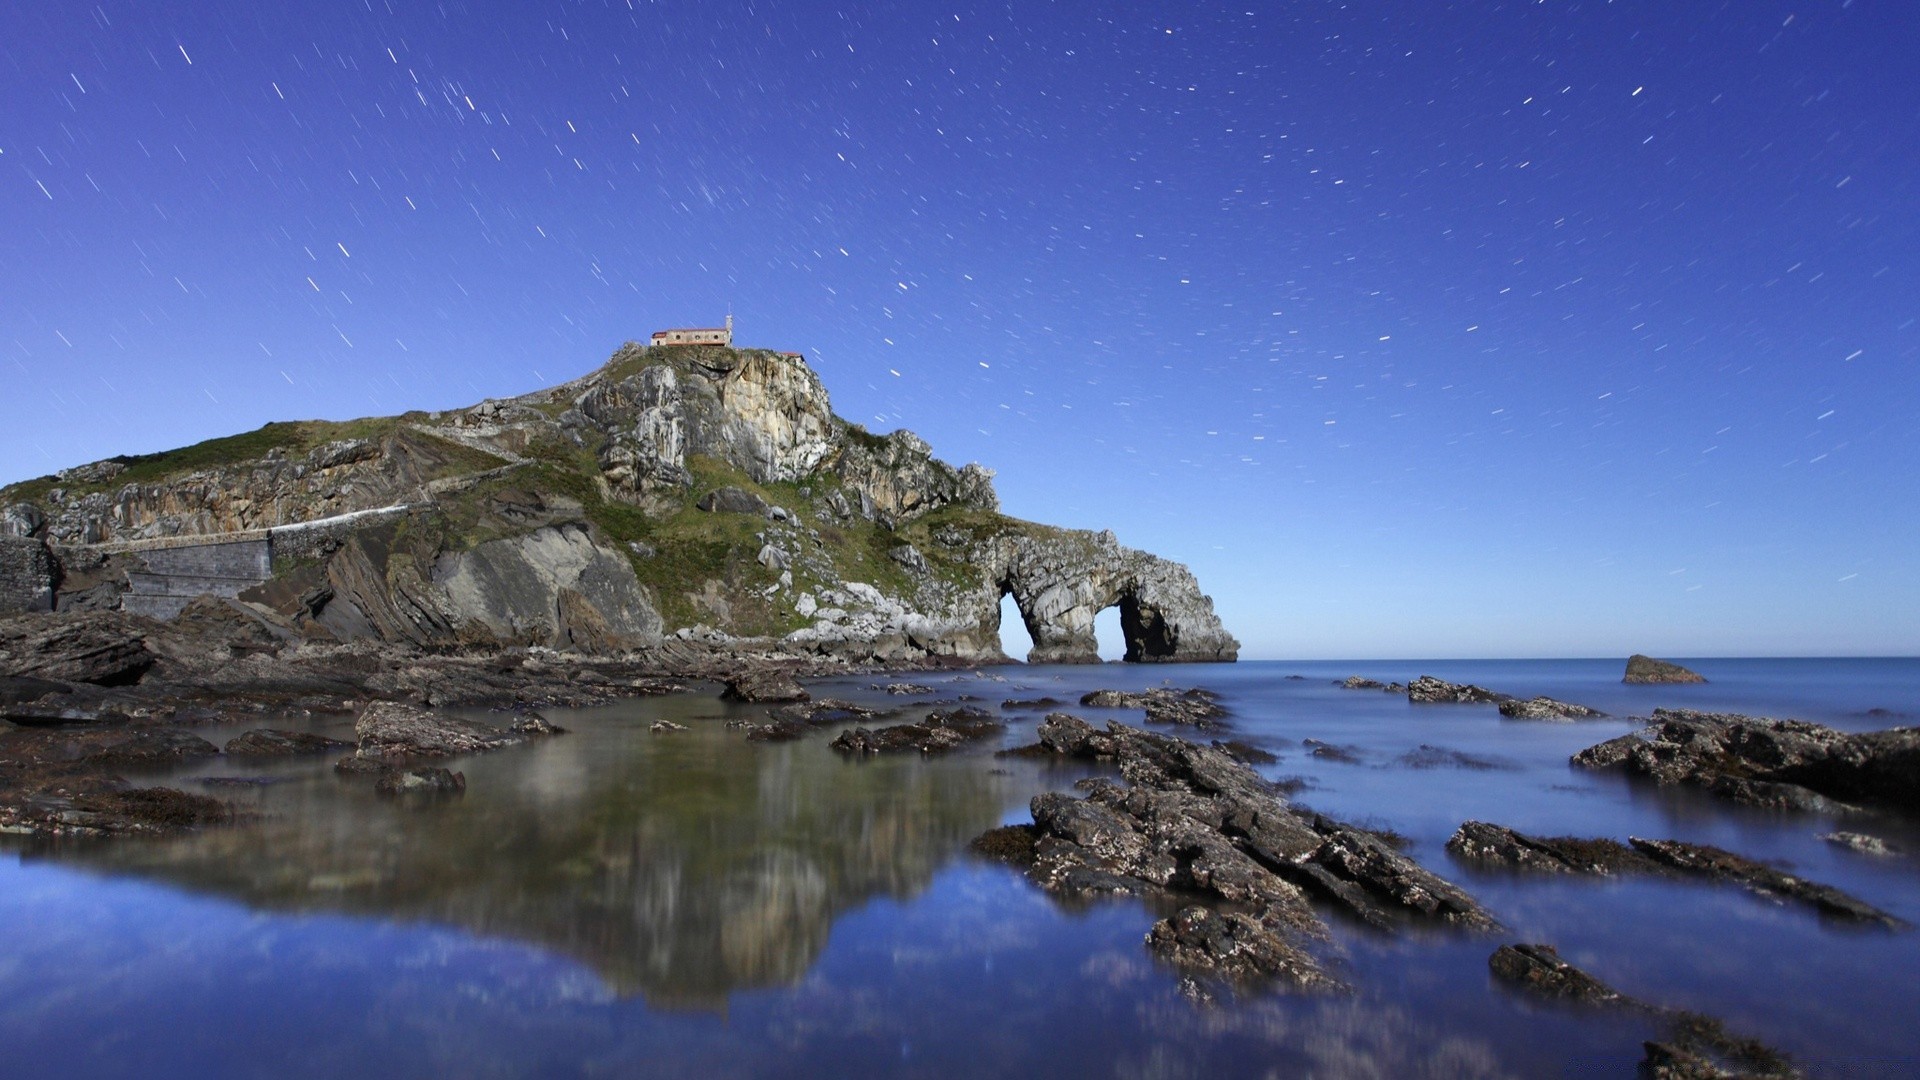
{"x":1763,"y":762}
{"x":269,"y":742}
{"x":1539,"y":971}
{"x":433,"y":780}
{"x":1645,"y":670}
{"x":1237,"y":947}
{"x":1189,"y":708}
{"x":393,"y":732}
{"x":1487,"y":843}
{"x":790,"y":722}
{"x":151,"y":746}
{"x":1546,"y":708}
{"x":939,"y":733}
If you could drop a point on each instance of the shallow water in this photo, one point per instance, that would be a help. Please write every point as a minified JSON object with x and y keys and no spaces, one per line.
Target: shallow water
{"x":615,"y":902}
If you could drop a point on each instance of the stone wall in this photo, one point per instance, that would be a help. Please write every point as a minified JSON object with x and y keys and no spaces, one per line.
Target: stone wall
{"x":28,"y":576}
{"x":176,"y":574}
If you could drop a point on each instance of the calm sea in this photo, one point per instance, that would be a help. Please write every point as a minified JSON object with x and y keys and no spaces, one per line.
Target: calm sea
{"x":619,"y":903}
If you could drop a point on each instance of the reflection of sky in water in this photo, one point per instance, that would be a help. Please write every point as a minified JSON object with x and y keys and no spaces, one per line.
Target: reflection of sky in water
{"x":615,"y":901}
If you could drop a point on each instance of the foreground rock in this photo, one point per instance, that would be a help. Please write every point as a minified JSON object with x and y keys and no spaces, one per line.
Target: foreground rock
{"x":1189,"y":708}
{"x":1647,"y":670}
{"x":394,"y":734}
{"x":66,"y":783}
{"x":1194,"y":825}
{"x":1786,"y":764}
{"x":939,"y":733}
{"x":1538,"y":970}
{"x":1547,"y":709}
{"x":81,"y":647}
{"x":1427,"y":689}
{"x":1495,"y":844}
{"x":427,"y":782}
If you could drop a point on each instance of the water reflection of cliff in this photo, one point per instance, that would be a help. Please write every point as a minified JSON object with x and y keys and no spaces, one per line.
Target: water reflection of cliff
{"x":681,"y":867}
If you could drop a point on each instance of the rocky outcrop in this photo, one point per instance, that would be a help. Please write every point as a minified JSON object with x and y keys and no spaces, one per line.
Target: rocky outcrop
{"x":84,"y":647}
{"x":393,"y":733}
{"x":1427,"y":689}
{"x":763,"y":685}
{"x":1645,"y":669}
{"x":1788,"y":764}
{"x":554,"y":586}
{"x":1538,"y":971}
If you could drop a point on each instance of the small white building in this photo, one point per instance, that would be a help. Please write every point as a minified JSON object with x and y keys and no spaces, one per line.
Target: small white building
{"x":708,"y":335}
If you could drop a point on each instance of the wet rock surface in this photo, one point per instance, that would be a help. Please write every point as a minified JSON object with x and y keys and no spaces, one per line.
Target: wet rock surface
{"x":790,"y":722}
{"x":67,"y":783}
{"x":1789,"y":764}
{"x":1862,"y":843}
{"x":1646,"y":670}
{"x":1547,"y":709}
{"x":394,"y":733}
{"x":1495,"y":844}
{"x":1188,"y":708}
{"x":939,"y":733}
{"x":1538,"y":970}
{"x":270,"y":742}
{"x":426,"y":782}
{"x":769,"y":685}
{"x":1194,"y":825}
{"x":1361,"y":682}
{"x":1428,"y":690}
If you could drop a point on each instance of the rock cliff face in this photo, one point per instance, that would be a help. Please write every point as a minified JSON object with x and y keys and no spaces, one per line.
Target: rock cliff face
{"x":698,"y":493}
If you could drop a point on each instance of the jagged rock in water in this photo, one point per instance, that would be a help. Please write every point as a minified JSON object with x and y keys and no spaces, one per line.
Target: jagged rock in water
{"x":769,"y":685}
{"x":1539,"y":971}
{"x":939,"y":733}
{"x":1645,"y":669}
{"x":1163,"y":705}
{"x":148,"y":746}
{"x":1237,"y":947}
{"x":394,"y":733}
{"x":1483,"y":842}
{"x":1426,"y":689}
{"x":534,"y":724}
{"x":268,"y":742}
{"x":1193,"y":822}
{"x":1547,"y":709}
{"x":1783,"y":763}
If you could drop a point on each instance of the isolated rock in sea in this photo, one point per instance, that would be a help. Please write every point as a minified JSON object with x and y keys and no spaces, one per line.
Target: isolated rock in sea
{"x":1645,"y":669}
{"x":1547,"y":709}
{"x":1426,"y":688}
{"x":393,"y":732}
{"x":790,"y":722}
{"x":1862,"y":843}
{"x":1783,"y":763}
{"x":1163,"y":705}
{"x":1495,"y":844}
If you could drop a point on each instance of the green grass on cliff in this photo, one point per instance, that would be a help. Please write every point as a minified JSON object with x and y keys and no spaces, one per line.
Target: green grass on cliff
{"x":290,"y":437}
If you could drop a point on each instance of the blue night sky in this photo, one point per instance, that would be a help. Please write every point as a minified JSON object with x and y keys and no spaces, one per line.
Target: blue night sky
{"x":1416,"y":329}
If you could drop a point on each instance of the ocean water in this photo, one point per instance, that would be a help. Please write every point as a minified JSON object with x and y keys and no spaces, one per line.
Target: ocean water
{"x":619,"y":903}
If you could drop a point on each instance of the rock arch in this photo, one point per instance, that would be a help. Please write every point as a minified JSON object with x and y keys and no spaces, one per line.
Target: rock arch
{"x":1061,"y":580}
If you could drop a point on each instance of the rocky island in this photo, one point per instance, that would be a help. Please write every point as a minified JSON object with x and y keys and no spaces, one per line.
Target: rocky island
{"x":697,"y":495}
